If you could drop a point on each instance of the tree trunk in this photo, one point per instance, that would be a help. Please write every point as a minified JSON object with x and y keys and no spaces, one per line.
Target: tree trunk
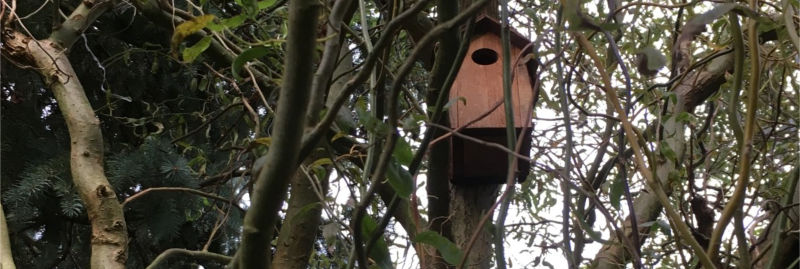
{"x":299,"y":229}
{"x":300,"y":226}
{"x":49,"y":57}
{"x":109,"y":234}
{"x":269,"y":189}
{"x":469,"y":203}
{"x":6,"y":260}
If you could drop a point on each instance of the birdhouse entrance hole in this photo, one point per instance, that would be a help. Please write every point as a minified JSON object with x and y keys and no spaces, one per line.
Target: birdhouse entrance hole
{"x":484,"y":56}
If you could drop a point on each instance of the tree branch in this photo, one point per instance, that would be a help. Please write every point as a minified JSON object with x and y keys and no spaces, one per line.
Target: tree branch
{"x":270,"y":186}
{"x":193,"y":254}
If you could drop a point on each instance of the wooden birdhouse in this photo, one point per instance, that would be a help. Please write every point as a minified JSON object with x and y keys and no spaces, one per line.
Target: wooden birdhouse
{"x":479,"y":88}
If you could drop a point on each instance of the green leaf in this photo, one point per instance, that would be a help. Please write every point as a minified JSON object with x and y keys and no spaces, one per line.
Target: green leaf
{"x":191,"y":53}
{"x":380,"y":251}
{"x":265,"y":4}
{"x":450,"y":252}
{"x":264,"y":140}
{"x":231,"y":22}
{"x":579,"y":21}
{"x":305,"y":210}
{"x":321,"y":162}
{"x":249,"y":7}
{"x":594,"y":235}
{"x":412,"y":123}
{"x":338,"y":135}
{"x":187,"y":28}
{"x":667,"y":152}
{"x":246,"y":56}
{"x":685,"y":117}
{"x":665,"y":228}
{"x":616,"y":191}
{"x":608,"y":26}
{"x":655,"y":59}
{"x":451,"y":102}
{"x":400,"y":179}
{"x":402,"y":152}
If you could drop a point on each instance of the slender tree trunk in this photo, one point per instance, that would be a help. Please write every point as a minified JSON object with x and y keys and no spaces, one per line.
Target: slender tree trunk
{"x":49,"y":57}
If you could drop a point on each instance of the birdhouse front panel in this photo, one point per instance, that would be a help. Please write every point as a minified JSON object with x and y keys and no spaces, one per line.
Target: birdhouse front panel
{"x":478,"y":163}
{"x":478,"y":87}
{"x":479,"y":111}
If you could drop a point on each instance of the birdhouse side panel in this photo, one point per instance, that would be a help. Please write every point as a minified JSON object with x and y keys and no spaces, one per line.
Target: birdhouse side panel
{"x":522,"y":90}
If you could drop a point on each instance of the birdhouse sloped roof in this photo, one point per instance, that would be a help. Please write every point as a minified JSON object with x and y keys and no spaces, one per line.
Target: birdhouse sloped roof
{"x":485,"y":24}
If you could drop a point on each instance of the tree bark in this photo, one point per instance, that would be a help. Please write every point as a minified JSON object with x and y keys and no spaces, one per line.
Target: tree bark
{"x":49,"y":57}
{"x":272,"y":182}
{"x":299,"y":229}
{"x":300,"y":226}
{"x":469,"y":203}
{"x":6,"y":259}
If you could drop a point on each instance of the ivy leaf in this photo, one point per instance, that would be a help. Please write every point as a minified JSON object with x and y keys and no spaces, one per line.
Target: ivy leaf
{"x":191,"y":53}
{"x":450,"y":252}
{"x":187,"y":28}
{"x":246,"y":56}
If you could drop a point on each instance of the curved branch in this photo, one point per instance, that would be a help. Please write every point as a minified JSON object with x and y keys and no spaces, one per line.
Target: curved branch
{"x":194,"y":254}
{"x":746,"y":145}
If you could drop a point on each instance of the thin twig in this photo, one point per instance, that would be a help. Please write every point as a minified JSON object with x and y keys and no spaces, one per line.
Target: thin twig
{"x":481,"y":142}
{"x":180,"y":189}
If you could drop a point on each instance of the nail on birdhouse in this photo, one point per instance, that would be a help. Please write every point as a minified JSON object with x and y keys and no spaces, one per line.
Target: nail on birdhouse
{"x":478,"y":87}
